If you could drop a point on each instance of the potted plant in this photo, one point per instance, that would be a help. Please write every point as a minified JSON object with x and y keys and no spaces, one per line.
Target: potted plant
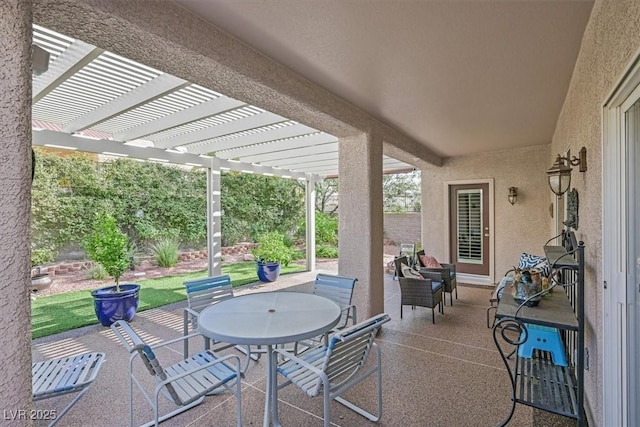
{"x":110,"y":247}
{"x":270,"y":254}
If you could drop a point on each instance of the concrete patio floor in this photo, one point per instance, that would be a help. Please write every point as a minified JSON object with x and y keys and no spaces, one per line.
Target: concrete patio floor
{"x":447,"y":374}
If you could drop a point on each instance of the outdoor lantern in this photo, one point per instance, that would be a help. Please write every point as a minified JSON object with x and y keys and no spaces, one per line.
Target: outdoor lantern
{"x":513,"y":194}
{"x":560,"y":173}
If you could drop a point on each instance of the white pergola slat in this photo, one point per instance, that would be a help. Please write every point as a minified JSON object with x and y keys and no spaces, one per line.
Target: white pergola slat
{"x":154,"y":89}
{"x":292,"y":153}
{"x":279,"y":146}
{"x":200,"y":137}
{"x":251,"y":137}
{"x":200,"y":111}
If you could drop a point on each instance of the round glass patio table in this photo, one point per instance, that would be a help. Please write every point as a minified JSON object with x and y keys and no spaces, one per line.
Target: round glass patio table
{"x":269,"y":318}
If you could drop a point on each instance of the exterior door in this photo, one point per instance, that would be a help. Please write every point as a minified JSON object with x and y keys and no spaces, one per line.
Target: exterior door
{"x":469,"y":228}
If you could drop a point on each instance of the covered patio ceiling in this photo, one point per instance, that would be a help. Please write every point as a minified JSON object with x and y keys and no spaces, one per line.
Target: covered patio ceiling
{"x":95,"y":101}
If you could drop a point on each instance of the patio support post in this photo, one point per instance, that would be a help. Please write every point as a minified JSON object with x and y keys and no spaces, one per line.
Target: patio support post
{"x":310,"y":205}
{"x":214,"y":215}
{"x":361,"y":220}
{"x":15,"y":208}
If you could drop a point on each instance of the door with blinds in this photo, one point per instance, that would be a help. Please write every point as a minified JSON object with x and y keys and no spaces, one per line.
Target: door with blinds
{"x":469,"y":228}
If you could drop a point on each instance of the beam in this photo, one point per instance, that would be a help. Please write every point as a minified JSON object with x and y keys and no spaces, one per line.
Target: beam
{"x":116,"y":148}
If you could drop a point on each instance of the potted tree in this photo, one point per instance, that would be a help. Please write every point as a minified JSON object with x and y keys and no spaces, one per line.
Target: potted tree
{"x":270,"y":254}
{"x":110,"y":247}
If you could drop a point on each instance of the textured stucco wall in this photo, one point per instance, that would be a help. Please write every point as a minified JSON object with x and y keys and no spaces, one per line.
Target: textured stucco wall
{"x":611,"y":41}
{"x":523,"y":227}
{"x":402,"y":227}
{"x":361,"y":221}
{"x":15,"y":187}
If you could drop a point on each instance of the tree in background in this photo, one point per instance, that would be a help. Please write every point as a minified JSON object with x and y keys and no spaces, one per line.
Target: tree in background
{"x":401,"y":192}
{"x":327,"y":195}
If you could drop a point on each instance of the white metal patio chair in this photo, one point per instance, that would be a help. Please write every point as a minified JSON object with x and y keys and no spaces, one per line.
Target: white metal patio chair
{"x":202,"y":293}
{"x":64,"y":375}
{"x":332,"y":370}
{"x":185,"y":383}
{"x":340,"y":290}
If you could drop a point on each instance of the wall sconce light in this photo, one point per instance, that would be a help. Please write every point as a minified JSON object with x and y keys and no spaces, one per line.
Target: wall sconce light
{"x":513,"y":194}
{"x":559,"y":174}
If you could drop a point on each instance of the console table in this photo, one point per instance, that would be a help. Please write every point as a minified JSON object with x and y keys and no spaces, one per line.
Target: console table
{"x":536,"y":381}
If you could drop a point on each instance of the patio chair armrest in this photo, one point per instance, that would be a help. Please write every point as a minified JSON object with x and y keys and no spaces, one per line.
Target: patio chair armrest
{"x":175,"y":340}
{"x":433,"y":270}
{"x":433,"y":275}
{"x":191,"y":311}
{"x":290,"y":356}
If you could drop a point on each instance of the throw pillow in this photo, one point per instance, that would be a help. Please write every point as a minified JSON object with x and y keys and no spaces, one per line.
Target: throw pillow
{"x":430,"y":262}
{"x":408,"y":272}
{"x":534,"y":261}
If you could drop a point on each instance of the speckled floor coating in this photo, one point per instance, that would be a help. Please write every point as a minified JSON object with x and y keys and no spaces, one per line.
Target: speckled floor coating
{"x":447,"y":374}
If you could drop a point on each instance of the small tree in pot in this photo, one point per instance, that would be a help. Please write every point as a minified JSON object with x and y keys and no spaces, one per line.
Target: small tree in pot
{"x":270,"y":254}
{"x":110,"y":247}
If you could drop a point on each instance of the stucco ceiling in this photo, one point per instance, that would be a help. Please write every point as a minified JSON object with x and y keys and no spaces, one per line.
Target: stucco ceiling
{"x":461,"y":77}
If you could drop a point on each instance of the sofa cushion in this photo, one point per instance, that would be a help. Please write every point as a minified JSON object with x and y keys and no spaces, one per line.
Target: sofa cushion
{"x":409,"y":272}
{"x":429,"y":262}
{"x":540,"y":263}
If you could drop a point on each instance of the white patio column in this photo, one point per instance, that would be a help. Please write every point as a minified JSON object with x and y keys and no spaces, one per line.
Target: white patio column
{"x":360,"y":232}
{"x":214,"y":215}
{"x":15,"y":208}
{"x":310,"y":205}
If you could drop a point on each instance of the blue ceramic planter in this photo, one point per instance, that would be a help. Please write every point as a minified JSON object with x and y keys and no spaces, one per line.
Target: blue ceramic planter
{"x":111,"y":306}
{"x":268,"y":271}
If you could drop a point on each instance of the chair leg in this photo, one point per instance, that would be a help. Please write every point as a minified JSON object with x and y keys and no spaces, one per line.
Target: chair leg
{"x":185,"y":332}
{"x":433,"y":315}
{"x":493,"y":307}
{"x":401,"y":311}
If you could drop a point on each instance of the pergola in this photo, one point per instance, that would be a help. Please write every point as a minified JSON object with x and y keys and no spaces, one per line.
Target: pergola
{"x":95,"y":101}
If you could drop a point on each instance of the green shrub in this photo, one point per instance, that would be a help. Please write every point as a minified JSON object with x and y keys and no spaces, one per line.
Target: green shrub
{"x":97,"y":272}
{"x":40,"y":256}
{"x":271,"y":248}
{"x":166,"y":252}
{"x":325,"y":251}
{"x":326,"y":228}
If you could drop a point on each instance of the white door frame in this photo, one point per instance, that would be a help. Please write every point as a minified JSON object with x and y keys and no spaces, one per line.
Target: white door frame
{"x":615,"y":366}
{"x":472,"y":278}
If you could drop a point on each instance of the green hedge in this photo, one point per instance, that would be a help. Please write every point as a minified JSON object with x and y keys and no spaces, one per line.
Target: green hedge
{"x":151,"y":202}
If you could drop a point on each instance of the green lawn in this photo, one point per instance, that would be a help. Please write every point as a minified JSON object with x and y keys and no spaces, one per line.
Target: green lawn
{"x":59,"y":313}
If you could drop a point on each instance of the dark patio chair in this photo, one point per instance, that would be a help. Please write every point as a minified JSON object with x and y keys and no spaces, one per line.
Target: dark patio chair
{"x":419,"y":289}
{"x":447,"y":275}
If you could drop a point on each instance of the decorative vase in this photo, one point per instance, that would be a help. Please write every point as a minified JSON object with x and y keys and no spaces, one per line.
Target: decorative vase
{"x":268,"y":271}
{"x":40,"y":282}
{"x":527,"y":288}
{"x":111,"y":306}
